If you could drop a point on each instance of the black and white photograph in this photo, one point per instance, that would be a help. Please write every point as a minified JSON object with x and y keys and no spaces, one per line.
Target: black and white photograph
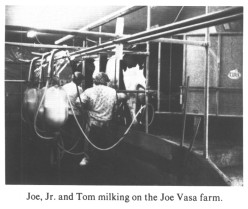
{"x":132,"y":98}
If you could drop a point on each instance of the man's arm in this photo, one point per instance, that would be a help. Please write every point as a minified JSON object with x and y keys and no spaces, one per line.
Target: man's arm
{"x":121,"y":97}
{"x":82,"y":102}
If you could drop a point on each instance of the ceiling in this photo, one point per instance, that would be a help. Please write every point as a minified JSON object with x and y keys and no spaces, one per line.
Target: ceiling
{"x":77,"y":17}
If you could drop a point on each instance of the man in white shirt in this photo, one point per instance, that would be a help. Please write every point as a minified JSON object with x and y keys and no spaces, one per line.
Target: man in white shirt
{"x":99,"y":101}
{"x":73,"y":90}
{"x":70,"y":131}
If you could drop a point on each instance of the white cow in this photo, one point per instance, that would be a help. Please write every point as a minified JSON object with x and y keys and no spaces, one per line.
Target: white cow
{"x":133,"y":78}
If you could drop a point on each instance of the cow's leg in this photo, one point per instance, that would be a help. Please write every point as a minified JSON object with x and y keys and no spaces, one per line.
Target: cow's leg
{"x":132,"y":106}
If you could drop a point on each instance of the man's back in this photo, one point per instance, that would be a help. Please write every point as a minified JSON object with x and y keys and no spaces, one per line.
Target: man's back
{"x":71,"y":90}
{"x":100,"y":101}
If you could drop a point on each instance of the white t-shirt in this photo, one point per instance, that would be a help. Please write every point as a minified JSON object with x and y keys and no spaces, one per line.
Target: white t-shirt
{"x":71,"y":90}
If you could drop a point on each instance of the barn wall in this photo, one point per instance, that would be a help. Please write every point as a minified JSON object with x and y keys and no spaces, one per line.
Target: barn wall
{"x":226,"y":74}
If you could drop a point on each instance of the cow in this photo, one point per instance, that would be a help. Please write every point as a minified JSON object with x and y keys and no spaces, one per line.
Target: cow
{"x":129,"y":76}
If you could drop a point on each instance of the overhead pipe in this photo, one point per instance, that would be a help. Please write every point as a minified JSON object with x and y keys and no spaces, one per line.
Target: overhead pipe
{"x":168,"y":31}
{"x":187,"y":22}
{"x":48,"y":35}
{"x":177,"y":41}
{"x":187,"y":28}
{"x":127,"y":52}
{"x":96,"y":50}
{"x":111,"y":44}
{"x":15,"y":81}
{"x":103,"y":21}
{"x":48,"y":46}
{"x":62,"y":31}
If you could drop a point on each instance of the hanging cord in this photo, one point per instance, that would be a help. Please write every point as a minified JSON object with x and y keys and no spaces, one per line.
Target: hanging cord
{"x":115,"y":144}
{"x":153,"y":114}
{"x":142,"y":114}
{"x":37,"y":112}
{"x":37,"y":39}
{"x":69,"y":151}
{"x":68,"y":57}
{"x":50,"y":68}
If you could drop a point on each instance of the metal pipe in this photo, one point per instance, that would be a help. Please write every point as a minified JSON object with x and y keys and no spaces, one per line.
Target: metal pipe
{"x":168,"y":113}
{"x":218,"y":73}
{"x":187,"y":22}
{"x":197,"y":114}
{"x":216,"y":33}
{"x":111,"y":44}
{"x":44,"y":56}
{"x":41,"y":68}
{"x":100,"y":39}
{"x":177,"y":41}
{"x":145,"y":35}
{"x":37,"y":54}
{"x":126,"y":52}
{"x":214,"y":88}
{"x":48,"y":35}
{"x":51,"y":64}
{"x":95,"y":51}
{"x":185,"y":111}
{"x":184,"y":74}
{"x":31,"y":67}
{"x":159,"y":75}
{"x":103,"y":21}
{"x":198,"y":121}
{"x":89,"y":57}
{"x":147,"y":68}
{"x":136,"y":91}
{"x":62,"y":31}
{"x":186,"y":28}
{"x":49,"y":46}
{"x":206,"y":95}
{"x":225,"y":178}
{"x":61,"y":69}
{"x":16,"y":81}
{"x":170,"y":76}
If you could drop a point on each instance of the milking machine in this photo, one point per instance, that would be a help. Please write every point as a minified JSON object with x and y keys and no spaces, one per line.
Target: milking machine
{"x":30,"y":101}
{"x":52,"y":109}
{"x":47,"y":108}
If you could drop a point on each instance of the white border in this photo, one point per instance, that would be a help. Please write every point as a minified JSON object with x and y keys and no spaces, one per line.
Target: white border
{"x":14,"y":196}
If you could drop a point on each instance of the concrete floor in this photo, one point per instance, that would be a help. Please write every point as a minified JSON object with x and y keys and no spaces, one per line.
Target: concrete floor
{"x":28,"y":161}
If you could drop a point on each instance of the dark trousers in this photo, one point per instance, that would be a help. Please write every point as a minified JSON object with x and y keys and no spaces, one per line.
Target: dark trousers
{"x":102,"y":137}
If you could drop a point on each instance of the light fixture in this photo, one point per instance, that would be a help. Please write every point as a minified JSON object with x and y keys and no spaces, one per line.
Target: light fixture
{"x":31,"y":34}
